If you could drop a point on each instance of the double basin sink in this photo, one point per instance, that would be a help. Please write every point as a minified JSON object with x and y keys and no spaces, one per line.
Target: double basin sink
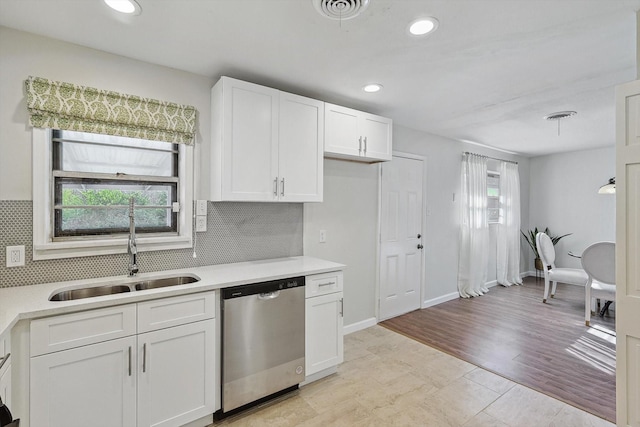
{"x":119,"y":288}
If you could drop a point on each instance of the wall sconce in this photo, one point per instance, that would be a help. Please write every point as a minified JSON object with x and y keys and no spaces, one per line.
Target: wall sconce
{"x":609,"y":188}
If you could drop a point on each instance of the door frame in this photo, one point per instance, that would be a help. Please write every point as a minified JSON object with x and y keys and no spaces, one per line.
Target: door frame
{"x":423,"y":159}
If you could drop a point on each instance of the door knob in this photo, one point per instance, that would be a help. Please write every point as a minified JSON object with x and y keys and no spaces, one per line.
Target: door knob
{"x":420,"y":246}
{"x":419,"y":235}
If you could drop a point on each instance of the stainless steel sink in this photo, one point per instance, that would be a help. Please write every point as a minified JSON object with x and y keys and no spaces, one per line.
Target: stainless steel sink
{"x":161,"y":283}
{"x":98,"y":291}
{"x":95,"y":291}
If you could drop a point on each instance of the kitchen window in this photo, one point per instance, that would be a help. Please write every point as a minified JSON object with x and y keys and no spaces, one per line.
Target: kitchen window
{"x":493,"y":197}
{"x":81,"y":188}
{"x":93,"y":149}
{"x":94,"y":176}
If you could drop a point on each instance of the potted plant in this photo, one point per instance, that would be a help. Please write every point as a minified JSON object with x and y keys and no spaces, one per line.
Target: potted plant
{"x":531,"y":240}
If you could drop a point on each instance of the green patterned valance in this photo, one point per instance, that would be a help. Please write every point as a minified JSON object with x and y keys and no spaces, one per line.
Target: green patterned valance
{"x":67,"y":106}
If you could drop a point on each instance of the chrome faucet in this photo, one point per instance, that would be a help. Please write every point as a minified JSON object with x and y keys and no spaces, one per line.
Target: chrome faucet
{"x":132,"y":248}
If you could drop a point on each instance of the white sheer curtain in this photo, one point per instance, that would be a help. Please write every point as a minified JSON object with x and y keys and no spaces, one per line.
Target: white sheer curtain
{"x":474,"y":230}
{"x":508,"y":255}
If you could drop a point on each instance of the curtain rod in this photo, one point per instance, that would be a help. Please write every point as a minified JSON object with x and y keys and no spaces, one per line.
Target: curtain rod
{"x":489,"y":157}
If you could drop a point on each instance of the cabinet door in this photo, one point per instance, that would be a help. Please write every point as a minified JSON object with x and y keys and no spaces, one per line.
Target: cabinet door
{"x":5,"y":384}
{"x":377,"y":132}
{"x":301,"y":148}
{"x":94,"y":385}
{"x":250,"y":141}
{"x":324,"y":336}
{"x":341,"y":133}
{"x":176,"y":381}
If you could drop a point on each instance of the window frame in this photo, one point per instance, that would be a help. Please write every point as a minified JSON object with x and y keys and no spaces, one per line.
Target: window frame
{"x":46,"y":247}
{"x":492,"y":173}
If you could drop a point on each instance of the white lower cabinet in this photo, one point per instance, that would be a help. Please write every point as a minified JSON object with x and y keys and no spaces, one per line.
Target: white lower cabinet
{"x":324,"y":322}
{"x":93,"y":385}
{"x":174,"y":374}
{"x":162,"y":377}
{"x":5,"y":381}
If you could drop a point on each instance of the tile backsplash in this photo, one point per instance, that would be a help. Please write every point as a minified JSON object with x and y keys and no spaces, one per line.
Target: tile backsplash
{"x":235,"y":232}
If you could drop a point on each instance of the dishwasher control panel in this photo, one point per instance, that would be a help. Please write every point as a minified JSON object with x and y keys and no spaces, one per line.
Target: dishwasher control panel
{"x":262,"y":287}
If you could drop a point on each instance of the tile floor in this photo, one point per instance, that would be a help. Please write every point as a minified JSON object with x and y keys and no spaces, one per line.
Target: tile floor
{"x":390,"y":380}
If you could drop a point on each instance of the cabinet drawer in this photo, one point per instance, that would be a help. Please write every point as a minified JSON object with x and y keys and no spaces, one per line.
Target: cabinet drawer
{"x":174,"y":311}
{"x":322,"y":284}
{"x":74,"y":330}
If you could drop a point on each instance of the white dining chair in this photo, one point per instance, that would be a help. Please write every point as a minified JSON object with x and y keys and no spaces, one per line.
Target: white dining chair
{"x":599,"y":261}
{"x":573,"y":276}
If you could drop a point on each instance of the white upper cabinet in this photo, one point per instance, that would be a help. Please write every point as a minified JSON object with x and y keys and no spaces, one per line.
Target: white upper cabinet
{"x":355,"y":135}
{"x":244,"y":141}
{"x":266,"y":145}
{"x":301,"y":148}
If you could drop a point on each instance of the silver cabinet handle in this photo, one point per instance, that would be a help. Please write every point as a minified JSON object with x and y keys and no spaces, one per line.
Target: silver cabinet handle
{"x":342,"y":307}
{"x":326,"y":284}
{"x":129,"y":360}
{"x":4,"y":360}
{"x":144,"y":357}
{"x":359,"y":144}
{"x":282,"y":189}
{"x":365,"y":145}
{"x":275,"y":187}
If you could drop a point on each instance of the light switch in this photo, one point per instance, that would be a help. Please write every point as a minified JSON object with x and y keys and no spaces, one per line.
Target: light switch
{"x":15,"y":256}
{"x":201,"y":207}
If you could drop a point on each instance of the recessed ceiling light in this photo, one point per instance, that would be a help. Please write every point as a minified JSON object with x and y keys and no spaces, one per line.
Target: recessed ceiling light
{"x":423,"y":26}
{"x":129,"y":7}
{"x":373,"y":87}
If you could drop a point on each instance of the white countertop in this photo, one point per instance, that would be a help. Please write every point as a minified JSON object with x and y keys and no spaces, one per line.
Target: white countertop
{"x":32,"y":301}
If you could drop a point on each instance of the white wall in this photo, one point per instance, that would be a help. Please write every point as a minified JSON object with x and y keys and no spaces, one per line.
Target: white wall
{"x":564,"y":198}
{"x":349,"y":216}
{"x":24,"y":54}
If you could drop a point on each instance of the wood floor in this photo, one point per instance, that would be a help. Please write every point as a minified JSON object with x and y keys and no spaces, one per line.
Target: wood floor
{"x":510,"y":332}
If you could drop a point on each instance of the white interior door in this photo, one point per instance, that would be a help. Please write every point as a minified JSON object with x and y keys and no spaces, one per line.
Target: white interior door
{"x":400,"y":236}
{"x":628,"y":254}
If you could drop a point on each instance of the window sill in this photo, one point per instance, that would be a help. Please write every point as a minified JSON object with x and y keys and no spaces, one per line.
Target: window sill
{"x":75,"y":249}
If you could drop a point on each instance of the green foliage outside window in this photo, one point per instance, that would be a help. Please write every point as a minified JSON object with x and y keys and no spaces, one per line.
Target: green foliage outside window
{"x":106,"y":218}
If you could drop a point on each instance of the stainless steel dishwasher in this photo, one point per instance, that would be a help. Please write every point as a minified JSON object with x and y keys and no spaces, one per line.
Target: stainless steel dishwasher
{"x":262,"y":341}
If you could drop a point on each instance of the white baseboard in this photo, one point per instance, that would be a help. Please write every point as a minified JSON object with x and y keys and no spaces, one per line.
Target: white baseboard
{"x":491,"y":284}
{"x":440,"y":300}
{"x":318,"y":375}
{"x":358,"y":326}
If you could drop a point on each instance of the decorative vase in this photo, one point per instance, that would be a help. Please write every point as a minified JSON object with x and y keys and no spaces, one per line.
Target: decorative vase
{"x":538,"y":264}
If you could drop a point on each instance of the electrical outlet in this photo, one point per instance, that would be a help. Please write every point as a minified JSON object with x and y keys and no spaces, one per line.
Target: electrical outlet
{"x":15,"y":256}
{"x":323,"y":236}
{"x":201,"y":223}
{"x":201,"y":207}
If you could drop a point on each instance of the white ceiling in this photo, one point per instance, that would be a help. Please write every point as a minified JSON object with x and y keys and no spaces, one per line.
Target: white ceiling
{"x":488,"y":75}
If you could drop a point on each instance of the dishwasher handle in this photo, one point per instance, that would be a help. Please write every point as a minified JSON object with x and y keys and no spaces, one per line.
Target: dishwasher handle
{"x":269,"y":295}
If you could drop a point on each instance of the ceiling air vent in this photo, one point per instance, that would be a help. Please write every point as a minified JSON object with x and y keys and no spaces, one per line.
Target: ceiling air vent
{"x":340,"y":9}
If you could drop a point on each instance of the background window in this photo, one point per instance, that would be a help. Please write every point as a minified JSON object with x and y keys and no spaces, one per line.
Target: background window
{"x":493,"y":197}
{"x":95,"y":175}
